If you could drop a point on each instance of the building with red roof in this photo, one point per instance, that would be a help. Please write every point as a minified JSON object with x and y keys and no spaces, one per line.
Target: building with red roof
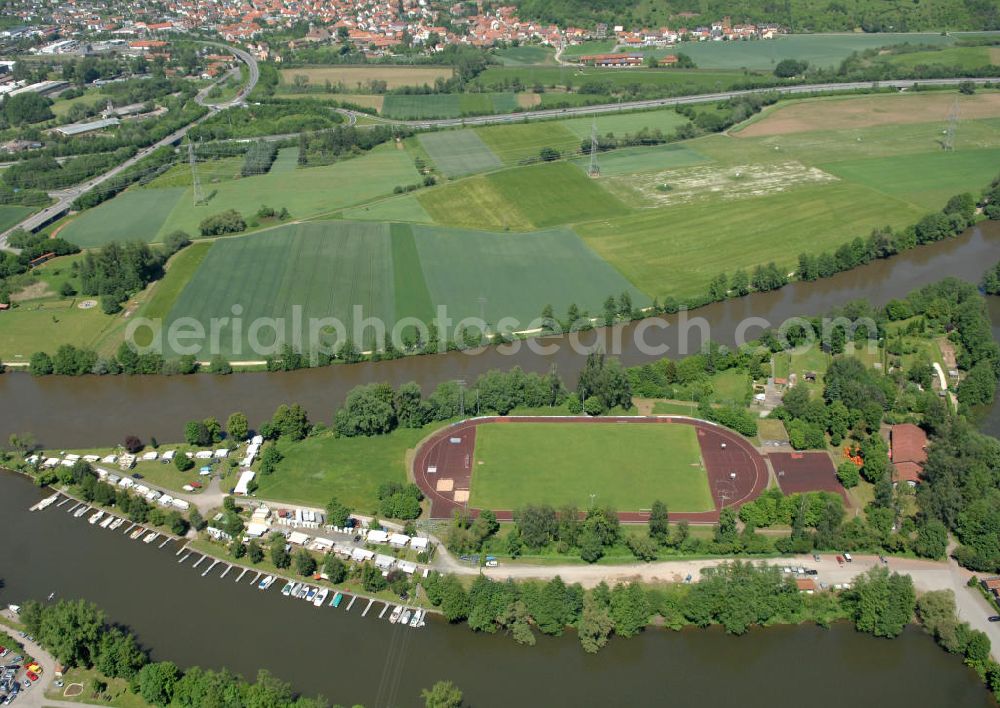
{"x":909,"y":452}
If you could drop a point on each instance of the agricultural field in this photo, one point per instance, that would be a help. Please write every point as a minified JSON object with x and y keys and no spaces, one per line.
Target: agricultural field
{"x":326,"y":269}
{"x":516,"y":275}
{"x":358,"y":77}
{"x":446,"y":105}
{"x":673,"y":81}
{"x":628,"y":162}
{"x":404,"y":207}
{"x":209,"y":172}
{"x":523,"y":198}
{"x":136,"y":214}
{"x":965,"y":57}
{"x":458,"y":153}
{"x":822,"y":50}
{"x":525,"y":54}
{"x":596,"y":46}
{"x":625,"y":466}
{"x":10,"y":215}
{"x":858,"y":112}
{"x":523,"y":141}
{"x":676,"y":250}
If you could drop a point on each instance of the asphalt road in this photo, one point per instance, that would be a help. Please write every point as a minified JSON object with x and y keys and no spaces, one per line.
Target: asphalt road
{"x":64,"y":197}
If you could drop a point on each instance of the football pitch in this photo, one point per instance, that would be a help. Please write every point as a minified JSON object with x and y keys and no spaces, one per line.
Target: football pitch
{"x":625,"y":466}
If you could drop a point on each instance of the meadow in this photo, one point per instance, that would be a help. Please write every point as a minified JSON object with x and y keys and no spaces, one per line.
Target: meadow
{"x":822,"y":50}
{"x":524,"y":54}
{"x":625,"y":466}
{"x":10,"y":215}
{"x":137,"y":214}
{"x":964,"y":57}
{"x":446,"y":105}
{"x":523,"y":198}
{"x":354,"y":77}
{"x":458,"y":152}
{"x":669,"y":81}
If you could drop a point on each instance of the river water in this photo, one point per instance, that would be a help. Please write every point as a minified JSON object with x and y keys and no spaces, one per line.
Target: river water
{"x":93,"y":411}
{"x":214,"y":622}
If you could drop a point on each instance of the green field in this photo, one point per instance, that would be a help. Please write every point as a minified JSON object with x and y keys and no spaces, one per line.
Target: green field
{"x":516,"y":274}
{"x":10,"y":215}
{"x":325,"y":269}
{"x":673,"y":81}
{"x":404,"y":207}
{"x":596,"y":46}
{"x":630,"y":161}
{"x":458,"y":152}
{"x":137,"y":214}
{"x":523,"y":141}
{"x":823,"y":50}
{"x":677,"y":250}
{"x":625,"y":466}
{"x":524,"y":54}
{"x":180,"y":269}
{"x":522,"y":198}
{"x":319,"y":468}
{"x":964,"y":57}
{"x":446,"y":105}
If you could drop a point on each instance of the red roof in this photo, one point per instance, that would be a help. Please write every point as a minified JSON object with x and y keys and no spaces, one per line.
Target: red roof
{"x":805,"y":584}
{"x":909,"y":451}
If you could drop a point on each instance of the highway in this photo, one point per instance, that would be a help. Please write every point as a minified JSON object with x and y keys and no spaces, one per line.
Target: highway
{"x":64,"y":197}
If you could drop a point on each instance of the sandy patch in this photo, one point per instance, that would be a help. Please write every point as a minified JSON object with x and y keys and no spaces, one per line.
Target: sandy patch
{"x":681,"y":186}
{"x":73,"y":690}
{"x":528,"y":100}
{"x":373,"y":102}
{"x":462,"y":496}
{"x":32,"y":292}
{"x":868,"y":111}
{"x":445,"y":485}
{"x":87,"y":304}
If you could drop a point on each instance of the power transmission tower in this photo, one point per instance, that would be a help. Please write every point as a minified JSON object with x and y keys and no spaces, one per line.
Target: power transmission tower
{"x":594,"y":170}
{"x":195,"y":181}
{"x":949,"y":133}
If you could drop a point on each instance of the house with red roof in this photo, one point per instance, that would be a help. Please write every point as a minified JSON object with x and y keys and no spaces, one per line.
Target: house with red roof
{"x":908,"y":450}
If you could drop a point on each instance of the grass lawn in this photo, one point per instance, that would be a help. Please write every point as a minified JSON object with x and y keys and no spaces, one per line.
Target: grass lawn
{"x":666,"y":120}
{"x":677,"y":250}
{"x":521,"y":141}
{"x":675,"y":408}
{"x":352,"y":76}
{"x":405,"y":207}
{"x":517,"y":274}
{"x":596,"y":46}
{"x":963,"y":57}
{"x":524,"y":54}
{"x":522,"y":198}
{"x":351,"y":469}
{"x":180,"y":268}
{"x":45,"y":325}
{"x":137,"y":214}
{"x":10,"y":215}
{"x":926,"y":179}
{"x":209,"y":172}
{"x":768,"y":429}
{"x":324,"y":269}
{"x":458,"y":152}
{"x":731,"y":386}
{"x":116,"y":694}
{"x":305,"y":193}
{"x":630,"y":161}
{"x":625,"y":466}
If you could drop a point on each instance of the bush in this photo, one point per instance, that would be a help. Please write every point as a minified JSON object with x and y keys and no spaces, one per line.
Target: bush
{"x":848,"y":474}
{"x":226,"y":222}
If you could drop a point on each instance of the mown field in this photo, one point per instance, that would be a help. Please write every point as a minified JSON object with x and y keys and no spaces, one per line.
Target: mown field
{"x":674,"y":81}
{"x":458,"y":152}
{"x":137,"y":214}
{"x":525,"y":54}
{"x":357,"y":77}
{"x":964,"y":57}
{"x":10,"y":215}
{"x":447,"y":105}
{"x":625,"y":466}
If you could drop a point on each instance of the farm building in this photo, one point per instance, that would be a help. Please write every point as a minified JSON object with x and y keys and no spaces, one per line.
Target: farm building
{"x":909,"y":452}
{"x":613,"y":61}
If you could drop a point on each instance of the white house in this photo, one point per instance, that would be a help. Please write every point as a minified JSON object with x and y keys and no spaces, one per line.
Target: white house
{"x":243,"y":485}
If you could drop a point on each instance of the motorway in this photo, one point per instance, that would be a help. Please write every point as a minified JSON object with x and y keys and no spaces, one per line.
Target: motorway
{"x":65,"y":197}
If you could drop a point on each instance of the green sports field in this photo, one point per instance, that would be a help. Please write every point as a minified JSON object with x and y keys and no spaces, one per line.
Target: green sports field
{"x":625,"y":466}
{"x":458,"y":152}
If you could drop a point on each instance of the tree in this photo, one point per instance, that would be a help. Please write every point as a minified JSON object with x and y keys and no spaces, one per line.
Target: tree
{"x":659,"y":525}
{"x":548,"y":154}
{"x":595,"y":625}
{"x":238,"y":427}
{"x":932,"y":539}
{"x":132,"y":444}
{"x":967,"y":88}
{"x":183,"y":463}
{"x":630,"y":609}
{"x":197,"y":433}
{"x":305,"y":564}
{"x":279,"y":554}
{"x":156,"y":682}
{"x":787,"y":68}
{"x":880,"y":603}
{"x":254,"y":552}
{"x":337,"y":514}
{"x":334,"y":569}
{"x":848,"y":474}
{"x":443,"y":694}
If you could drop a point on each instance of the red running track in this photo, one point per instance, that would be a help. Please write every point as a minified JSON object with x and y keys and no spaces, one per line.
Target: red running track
{"x":736,"y":471}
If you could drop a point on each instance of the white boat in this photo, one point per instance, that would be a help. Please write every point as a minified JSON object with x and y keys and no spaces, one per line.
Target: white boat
{"x":117,"y":523}
{"x":153,"y":535}
{"x":266,"y":583}
{"x":417,"y":620}
{"x":311,"y":594}
{"x":321,"y":597}
{"x":107,"y":521}
{"x":287,"y":590}
{"x":394,"y":617}
{"x":294,"y":592}
{"x":81,"y":511}
{"x":303,"y":591}
{"x":96,"y":517}
{"x":405,"y":619}
{"x":137,"y":533}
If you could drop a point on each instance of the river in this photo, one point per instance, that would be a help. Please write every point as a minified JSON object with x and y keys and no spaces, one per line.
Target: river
{"x":92,"y":411}
{"x":213,"y":622}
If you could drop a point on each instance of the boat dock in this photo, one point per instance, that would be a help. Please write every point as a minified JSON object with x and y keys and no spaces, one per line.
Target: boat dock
{"x":184,"y":558}
{"x":351,"y":603}
{"x":245,"y":571}
{"x":209,"y":569}
{"x":165,"y":542}
{"x":256,"y":578}
{"x":75,"y":508}
{"x":225,"y":571}
{"x":199,"y":561}
{"x":63,"y":502}
{"x":368,"y":606}
{"x":384,"y":608}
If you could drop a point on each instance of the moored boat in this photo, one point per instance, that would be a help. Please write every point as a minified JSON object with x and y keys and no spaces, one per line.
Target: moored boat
{"x":337,"y":599}
{"x":405,"y":619}
{"x":107,"y":521}
{"x":394,"y":617}
{"x":311,"y":594}
{"x":321,"y":597}
{"x":265,"y":583}
{"x":287,"y":590}
{"x":139,"y":531}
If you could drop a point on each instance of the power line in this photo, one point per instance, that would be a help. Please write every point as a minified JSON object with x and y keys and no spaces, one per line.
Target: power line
{"x":949,"y":133}
{"x":195,"y":181}
{"x":594,"y":170}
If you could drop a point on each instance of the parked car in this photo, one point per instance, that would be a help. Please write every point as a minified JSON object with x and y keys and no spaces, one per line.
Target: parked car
{"x":491,"y":564}
{"x":816,"y":557}
{"x":994,"y":618}
{"x":34,"y":667}
{"x":840,"y":560}
{"x":812,"y":571}
{"x":4,"y":651}
{"x":32,"y":676}
{"x":847,"y":557}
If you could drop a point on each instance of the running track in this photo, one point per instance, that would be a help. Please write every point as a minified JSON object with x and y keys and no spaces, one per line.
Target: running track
{"x":440,"y":459}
